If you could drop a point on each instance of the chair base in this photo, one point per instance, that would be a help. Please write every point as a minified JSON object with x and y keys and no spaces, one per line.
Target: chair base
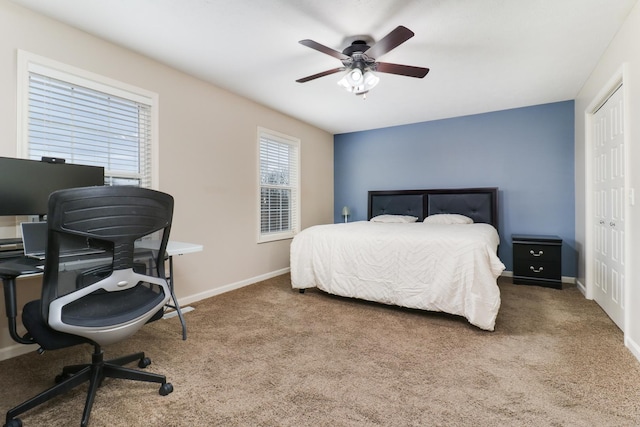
{"x":94,"y":373}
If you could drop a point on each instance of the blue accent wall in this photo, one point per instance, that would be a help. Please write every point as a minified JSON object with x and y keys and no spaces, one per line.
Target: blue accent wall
{"x":528,"y":153}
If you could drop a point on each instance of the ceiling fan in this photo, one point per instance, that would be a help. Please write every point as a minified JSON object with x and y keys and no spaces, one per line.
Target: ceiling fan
{"x":360,"y":60}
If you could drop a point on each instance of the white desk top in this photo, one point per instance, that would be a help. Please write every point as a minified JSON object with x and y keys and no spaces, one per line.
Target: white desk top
{"x":173,"y":247}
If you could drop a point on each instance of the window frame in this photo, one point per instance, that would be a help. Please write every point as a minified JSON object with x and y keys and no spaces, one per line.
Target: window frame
{"x":295,"y":196}
{"x":28,"y":62}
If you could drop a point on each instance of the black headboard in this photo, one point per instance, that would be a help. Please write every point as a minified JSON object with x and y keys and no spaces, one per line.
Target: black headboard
{"x":479,"y":204}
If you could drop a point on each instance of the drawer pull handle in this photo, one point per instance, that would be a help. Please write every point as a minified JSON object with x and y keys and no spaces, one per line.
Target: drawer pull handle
{"x":532,"y":268}
{"x":540,"y":253}
{"x":613,"y":224}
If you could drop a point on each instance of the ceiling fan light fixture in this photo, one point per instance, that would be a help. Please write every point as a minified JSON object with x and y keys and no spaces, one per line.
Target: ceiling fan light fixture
{"x":370,"y":80}
{"x":358,"y":83}
{"x":355,"y":75}
{"x":352,"y":78}
{"x":344,"y":83}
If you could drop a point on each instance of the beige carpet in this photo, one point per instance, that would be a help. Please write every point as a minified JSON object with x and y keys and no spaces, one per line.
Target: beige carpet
{"x":266,"y":355}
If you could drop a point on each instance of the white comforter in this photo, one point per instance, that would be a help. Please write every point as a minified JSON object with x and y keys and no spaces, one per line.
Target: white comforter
{"x":448,"y":268}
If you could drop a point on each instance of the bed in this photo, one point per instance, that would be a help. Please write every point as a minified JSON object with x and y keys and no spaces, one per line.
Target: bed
{"x":442,"y":264}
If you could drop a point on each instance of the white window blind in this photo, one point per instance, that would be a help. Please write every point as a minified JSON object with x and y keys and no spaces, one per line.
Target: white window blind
{"x":90,"y":127}
{"x":279,"y":193}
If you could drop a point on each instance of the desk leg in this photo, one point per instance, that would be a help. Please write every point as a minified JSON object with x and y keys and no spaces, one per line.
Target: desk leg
{"x":175,"y":305}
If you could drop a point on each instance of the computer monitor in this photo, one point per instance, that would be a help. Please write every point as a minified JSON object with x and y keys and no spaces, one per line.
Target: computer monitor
{"x":25,"y":185}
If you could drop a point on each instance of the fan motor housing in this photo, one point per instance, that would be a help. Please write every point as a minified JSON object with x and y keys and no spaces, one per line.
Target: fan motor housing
{"x":356,"y":46}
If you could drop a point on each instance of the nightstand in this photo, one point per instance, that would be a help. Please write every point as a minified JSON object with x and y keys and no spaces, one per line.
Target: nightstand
{"x":537,"y":260}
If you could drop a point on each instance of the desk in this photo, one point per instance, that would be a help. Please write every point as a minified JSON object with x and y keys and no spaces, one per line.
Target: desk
{"x":173,"y":249}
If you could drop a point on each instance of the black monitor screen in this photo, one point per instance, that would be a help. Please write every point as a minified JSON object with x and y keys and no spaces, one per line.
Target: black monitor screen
{"x":25,"y":185}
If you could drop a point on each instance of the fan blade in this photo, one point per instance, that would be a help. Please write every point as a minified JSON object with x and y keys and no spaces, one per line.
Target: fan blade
{"x":322,"y":48}
{"x":403,"y":70}
{"x":322,"y":74}
{"x":392,"y":40}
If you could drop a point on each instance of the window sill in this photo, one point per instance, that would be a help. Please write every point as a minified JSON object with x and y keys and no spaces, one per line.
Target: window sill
{"x":275,"y":237}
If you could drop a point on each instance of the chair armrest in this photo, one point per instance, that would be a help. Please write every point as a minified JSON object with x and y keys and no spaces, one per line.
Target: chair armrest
{"x":9,"y":271}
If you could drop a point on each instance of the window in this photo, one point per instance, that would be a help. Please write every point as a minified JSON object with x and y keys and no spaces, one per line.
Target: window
{"x":278,"y":187}
{"x":87,"y":119}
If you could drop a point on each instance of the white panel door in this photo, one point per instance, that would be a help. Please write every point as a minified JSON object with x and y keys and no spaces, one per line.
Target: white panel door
{"x":609,"y":207}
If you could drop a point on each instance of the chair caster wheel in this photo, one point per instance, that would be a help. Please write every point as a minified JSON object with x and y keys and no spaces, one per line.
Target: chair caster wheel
{"x":144,"y":362}
{"x":165,"y":389}
{"x":14,"y":423}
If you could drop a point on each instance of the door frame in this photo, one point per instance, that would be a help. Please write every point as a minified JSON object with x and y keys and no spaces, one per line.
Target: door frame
{"x":620,"y":78}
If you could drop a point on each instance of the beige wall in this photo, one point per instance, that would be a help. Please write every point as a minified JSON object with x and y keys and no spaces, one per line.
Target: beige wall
{"x":623,"y":50}
{"x":208,"y":157}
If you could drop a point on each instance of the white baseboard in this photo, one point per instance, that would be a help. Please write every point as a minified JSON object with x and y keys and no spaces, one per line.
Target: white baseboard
{"x":16,"y":350}
{"x":173,"y":313}
{"x":230,"y":287}
{"x":632,"y":346}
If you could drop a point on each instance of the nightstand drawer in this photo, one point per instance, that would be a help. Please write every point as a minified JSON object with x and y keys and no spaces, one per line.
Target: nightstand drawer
{"x":531,"y":252}
{"x":537,"y":269}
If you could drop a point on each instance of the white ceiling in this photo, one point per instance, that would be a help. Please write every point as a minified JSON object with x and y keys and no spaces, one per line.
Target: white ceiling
{"x":484,"y":55}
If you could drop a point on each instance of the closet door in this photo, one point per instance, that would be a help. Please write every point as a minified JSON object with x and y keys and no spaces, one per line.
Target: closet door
{"x":609,"y":204}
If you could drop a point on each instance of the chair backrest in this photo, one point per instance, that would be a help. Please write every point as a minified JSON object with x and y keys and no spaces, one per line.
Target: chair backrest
{"x":108,"y":296}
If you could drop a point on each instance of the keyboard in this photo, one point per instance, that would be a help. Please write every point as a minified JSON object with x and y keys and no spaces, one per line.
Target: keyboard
{"x":68,"y":253}
{"x":10,"y":241}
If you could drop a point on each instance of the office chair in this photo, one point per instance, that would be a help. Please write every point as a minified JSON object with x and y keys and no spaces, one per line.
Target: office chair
{"x":97,"y":299}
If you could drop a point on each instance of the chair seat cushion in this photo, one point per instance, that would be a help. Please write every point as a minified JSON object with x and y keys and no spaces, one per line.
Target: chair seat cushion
{"x":101,"y":308}
{"x":42,"y":334}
